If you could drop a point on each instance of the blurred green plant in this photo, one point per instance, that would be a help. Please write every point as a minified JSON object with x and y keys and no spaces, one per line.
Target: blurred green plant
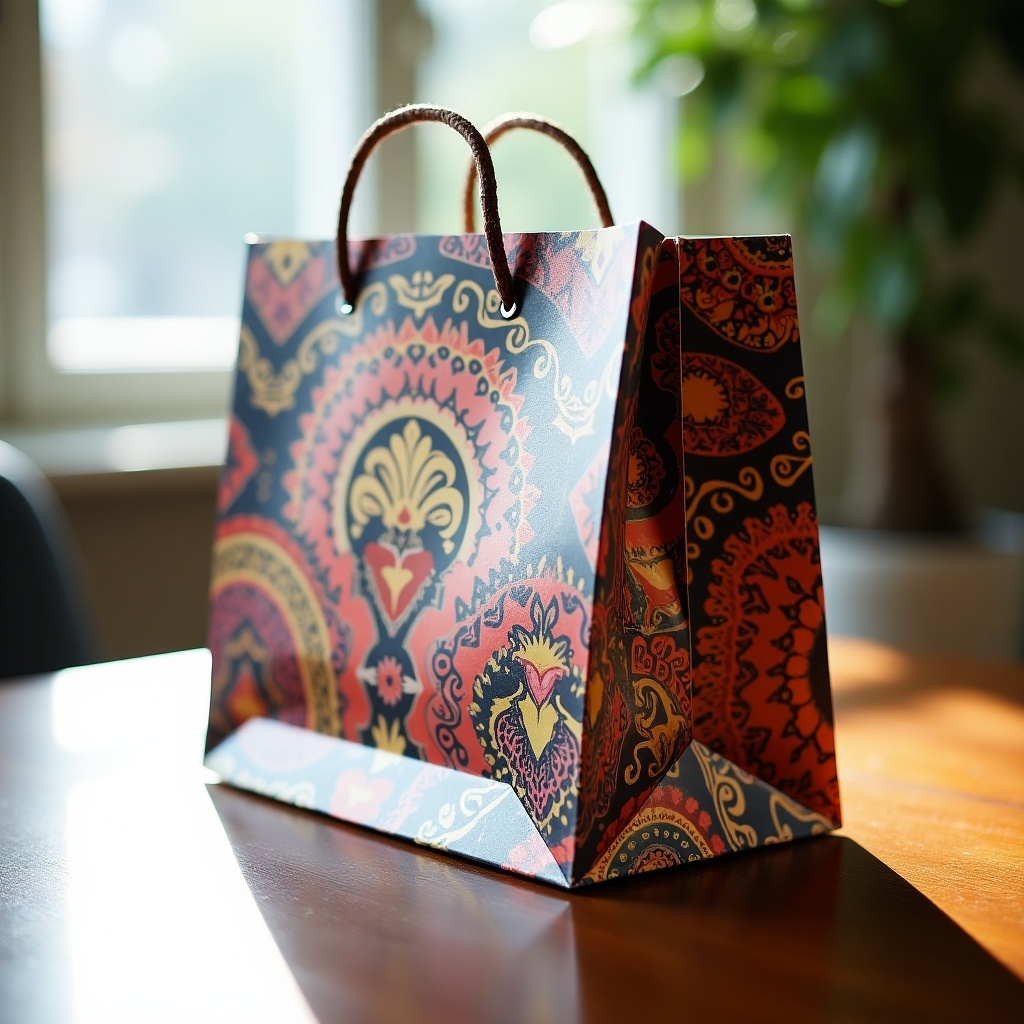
{"x":863,"y":118}
{"x":857,"y":114}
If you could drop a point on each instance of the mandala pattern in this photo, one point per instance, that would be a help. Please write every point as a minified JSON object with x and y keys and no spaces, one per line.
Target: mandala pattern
{"x":420,"y":471}
{"x":408,"y":479}
{"x":648,"y":838}
{"x":277,"y":652}
{"x":704,"y":807}
{"x":755,"y":686}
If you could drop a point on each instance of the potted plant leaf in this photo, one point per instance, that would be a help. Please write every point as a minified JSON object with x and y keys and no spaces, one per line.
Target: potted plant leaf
{"x":858,"y":117}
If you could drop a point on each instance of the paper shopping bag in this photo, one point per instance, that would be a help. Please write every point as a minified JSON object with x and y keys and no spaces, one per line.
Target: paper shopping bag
{"x":451,"y":580}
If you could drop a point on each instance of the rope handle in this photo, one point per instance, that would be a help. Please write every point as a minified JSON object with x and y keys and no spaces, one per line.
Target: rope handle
{"x":535,"y":122}
{"x":396,"y":121}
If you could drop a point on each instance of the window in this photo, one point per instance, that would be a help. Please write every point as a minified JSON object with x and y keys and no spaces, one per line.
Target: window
{"x":170,"y":129}
{"x":142,"y":140}
{"x":571,"y":61}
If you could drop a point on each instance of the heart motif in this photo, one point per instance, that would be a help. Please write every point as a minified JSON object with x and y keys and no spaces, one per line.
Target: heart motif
{"x":540,"y":684}
{"x":398,"y":578}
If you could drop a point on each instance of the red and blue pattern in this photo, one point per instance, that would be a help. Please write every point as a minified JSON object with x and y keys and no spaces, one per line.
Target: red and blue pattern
{"x":460,"y":559}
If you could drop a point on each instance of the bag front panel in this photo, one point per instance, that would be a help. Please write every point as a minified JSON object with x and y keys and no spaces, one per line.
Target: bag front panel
{"x":761,"y":691}
{"x":412,"y":500}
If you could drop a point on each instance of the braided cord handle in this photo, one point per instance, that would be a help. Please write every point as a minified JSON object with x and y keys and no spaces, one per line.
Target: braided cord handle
{"x":535,"y":122}
{"x":396,"y":121}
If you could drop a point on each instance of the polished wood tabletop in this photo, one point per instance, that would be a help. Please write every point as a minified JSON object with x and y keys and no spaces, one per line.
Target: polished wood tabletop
{"x":134,"y":889}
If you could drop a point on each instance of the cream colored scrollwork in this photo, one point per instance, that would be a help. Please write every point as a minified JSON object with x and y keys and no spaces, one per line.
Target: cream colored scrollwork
{"x":455,"y":820}
{"x":779,"y":802}
{"x":721,"y":499}
{"x":726,"y":783}
{"x":420,"y":292}
{"x":788,"y":468}
{"x":576,"y":406}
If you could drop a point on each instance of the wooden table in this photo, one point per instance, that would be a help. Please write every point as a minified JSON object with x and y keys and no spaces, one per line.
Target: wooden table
{"x":131,"y":890}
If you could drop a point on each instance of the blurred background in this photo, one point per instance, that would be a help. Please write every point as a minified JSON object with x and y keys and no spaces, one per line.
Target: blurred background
{"x":140,"y":140}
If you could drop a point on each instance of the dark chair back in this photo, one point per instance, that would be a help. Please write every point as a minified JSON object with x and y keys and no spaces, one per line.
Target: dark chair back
{"x":43,"y":624}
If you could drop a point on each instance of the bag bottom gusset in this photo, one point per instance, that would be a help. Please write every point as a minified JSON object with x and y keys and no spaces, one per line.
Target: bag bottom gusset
{"x":704,"y":806}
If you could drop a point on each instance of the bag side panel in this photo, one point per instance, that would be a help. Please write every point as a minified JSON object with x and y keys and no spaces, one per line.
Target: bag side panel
{"x":761,"y":690}
{"x":638,"y":691}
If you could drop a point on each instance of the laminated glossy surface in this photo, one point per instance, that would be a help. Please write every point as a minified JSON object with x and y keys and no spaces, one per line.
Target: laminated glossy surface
{"x":481,"y":545}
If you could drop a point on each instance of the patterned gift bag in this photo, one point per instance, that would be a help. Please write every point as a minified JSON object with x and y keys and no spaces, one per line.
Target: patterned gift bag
{"x":498,"y":569}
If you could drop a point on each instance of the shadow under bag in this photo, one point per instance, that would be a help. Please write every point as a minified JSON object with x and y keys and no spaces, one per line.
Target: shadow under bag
{"x":517,"y":554}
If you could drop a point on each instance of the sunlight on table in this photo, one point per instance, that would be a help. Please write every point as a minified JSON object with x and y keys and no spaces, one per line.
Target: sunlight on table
{"x":127,"y":869}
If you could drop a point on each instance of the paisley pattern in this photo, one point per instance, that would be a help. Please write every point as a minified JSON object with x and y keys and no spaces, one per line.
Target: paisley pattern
{"x":665,"y":358}
{"x":408,"y":457}
{"x":742,"y":288}
{"x":607,"y":721}
{"x":460,"y":558}
{"x":727,"y":410}
{"x":522,"y":664}
{"x":646,"y":470}
{"x":703,"y":807}
{"x":528,"y":695}
{"x":638,"y":711}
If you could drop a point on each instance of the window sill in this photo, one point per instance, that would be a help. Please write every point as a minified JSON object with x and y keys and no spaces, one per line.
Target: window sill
{"x":131,"y":456}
